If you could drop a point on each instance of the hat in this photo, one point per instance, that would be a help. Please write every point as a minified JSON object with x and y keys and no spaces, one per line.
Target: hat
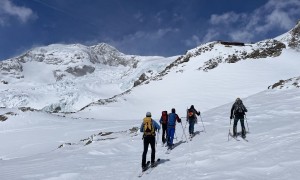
{"x":173,"y":110}
{"x":238,"y":100}
{"x":148,"y":114}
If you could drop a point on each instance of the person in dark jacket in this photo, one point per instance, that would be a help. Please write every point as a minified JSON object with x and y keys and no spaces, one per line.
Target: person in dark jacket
{"x":192,"y":119}
{"x":149,"y":126}
{"x":238,"y":111}
{"x":173,"y":117}
{"x":164,"y":123}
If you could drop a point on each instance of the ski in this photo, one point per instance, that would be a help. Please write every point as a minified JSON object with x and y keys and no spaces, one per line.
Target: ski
{"x":192,"y":136}
{"x":168,"y":151}
{"x":144,"y":169}
{"x":240,"y":134}
{"x":153,"y":166}
{"x":233,"y":137}
{"x":245,"y":139}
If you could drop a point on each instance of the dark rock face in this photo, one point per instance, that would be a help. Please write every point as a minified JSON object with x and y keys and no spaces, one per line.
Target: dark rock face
{"x":11,"y":68}
{"x":294,"y":82}
{"x":3,"y":118}
{"x":24,"y":109}
{"x":295,"y":40}
{"x":264,"y":49}
{"x":141,"y":79}
{"x":80,"y":71}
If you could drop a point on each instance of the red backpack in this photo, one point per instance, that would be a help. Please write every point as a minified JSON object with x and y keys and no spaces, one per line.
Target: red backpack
{"x":164,"y":117}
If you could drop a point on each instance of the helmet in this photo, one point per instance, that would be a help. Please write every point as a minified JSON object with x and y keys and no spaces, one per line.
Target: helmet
{"x":148,"y":114}
{"x":192,"y":106}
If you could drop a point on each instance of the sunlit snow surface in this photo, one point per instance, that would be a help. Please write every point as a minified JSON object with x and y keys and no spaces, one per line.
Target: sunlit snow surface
{"x":30,"y":140}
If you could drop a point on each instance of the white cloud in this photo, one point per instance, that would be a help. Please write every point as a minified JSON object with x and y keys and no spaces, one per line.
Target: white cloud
{"x":139,"y":40}
{"x":139,"y":16}
{"x":212,"y":34}
{"x":244,"y":35}
{"x":7,"y":8}
{"x":193,"y":41}
{"x":244,"y":27}
{"x":226,"y":18}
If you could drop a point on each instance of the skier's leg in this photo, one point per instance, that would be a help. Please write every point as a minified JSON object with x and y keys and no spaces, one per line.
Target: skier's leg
{"x":146,"y":144}
{"x":152,"y":144}
{"x":243,"y":127}
{"x":168,"y":136}
{"x":234,"y":126}
{"x":172,"y":131}
{"x":192,"y":127}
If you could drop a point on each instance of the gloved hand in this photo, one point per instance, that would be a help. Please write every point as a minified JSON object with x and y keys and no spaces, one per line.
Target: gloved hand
{"x":231,"y":117}
{"x":179,"y":120}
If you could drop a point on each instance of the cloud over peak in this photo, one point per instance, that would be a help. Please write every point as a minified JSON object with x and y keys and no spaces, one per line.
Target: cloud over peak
{"x":8,"y":9}
{"x":246,"y":26}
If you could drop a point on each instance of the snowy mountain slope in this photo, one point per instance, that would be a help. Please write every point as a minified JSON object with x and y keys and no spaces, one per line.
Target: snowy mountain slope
{"x":71,"y":76}
{"x":75,"y":76}
{"x":226,"y":71}
{"x":271,"y":153}
{"x":185,"y":85}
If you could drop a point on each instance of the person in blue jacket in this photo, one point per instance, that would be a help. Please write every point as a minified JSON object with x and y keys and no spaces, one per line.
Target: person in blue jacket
{"x":148,"y":127}
{"x":173,"y":117}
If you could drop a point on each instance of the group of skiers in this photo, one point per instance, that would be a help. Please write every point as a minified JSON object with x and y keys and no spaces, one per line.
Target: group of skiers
{"x":168,"y":123}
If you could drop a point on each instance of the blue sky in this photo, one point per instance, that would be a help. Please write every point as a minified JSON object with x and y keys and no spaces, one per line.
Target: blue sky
{"x":142,"y":27}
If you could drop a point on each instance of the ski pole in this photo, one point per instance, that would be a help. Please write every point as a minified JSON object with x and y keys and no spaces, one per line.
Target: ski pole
{"x":247,"y":124}
{"x":184,"y":129}
{"x":229,"y":129}
{"x":175,"y":136}
{"x":184,"y":132}
{"x":185,"y":122}
{"x":202,"y":124}
{"x":157,"y":136}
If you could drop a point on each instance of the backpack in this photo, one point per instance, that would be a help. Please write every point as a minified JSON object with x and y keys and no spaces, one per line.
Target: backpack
{"x":191,"y":113}
{"x":239,"y":108}
{"x":164,"y":117}
{"x":148,"y":127}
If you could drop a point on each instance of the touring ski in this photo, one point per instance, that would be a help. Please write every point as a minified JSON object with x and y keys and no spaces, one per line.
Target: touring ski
{"x":144,"y":169}
{"x":152,"y":166}
{"x":234,"y":137}
{"x":245,"y":139}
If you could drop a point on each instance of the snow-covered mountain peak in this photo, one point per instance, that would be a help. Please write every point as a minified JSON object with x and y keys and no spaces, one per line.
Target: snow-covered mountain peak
{"x":104,"y":48}
{"x":71,"y":74}
{"x":292,"y":37}
{"x":57,"y":54}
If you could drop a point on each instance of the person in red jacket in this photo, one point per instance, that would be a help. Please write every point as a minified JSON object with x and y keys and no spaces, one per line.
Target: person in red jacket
{"x":164,"y":122}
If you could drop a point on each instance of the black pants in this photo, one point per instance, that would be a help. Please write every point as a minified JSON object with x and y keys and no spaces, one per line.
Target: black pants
{"x":236,"y":120}
{"x":148,"y":140}
{"x":164,"y":133}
